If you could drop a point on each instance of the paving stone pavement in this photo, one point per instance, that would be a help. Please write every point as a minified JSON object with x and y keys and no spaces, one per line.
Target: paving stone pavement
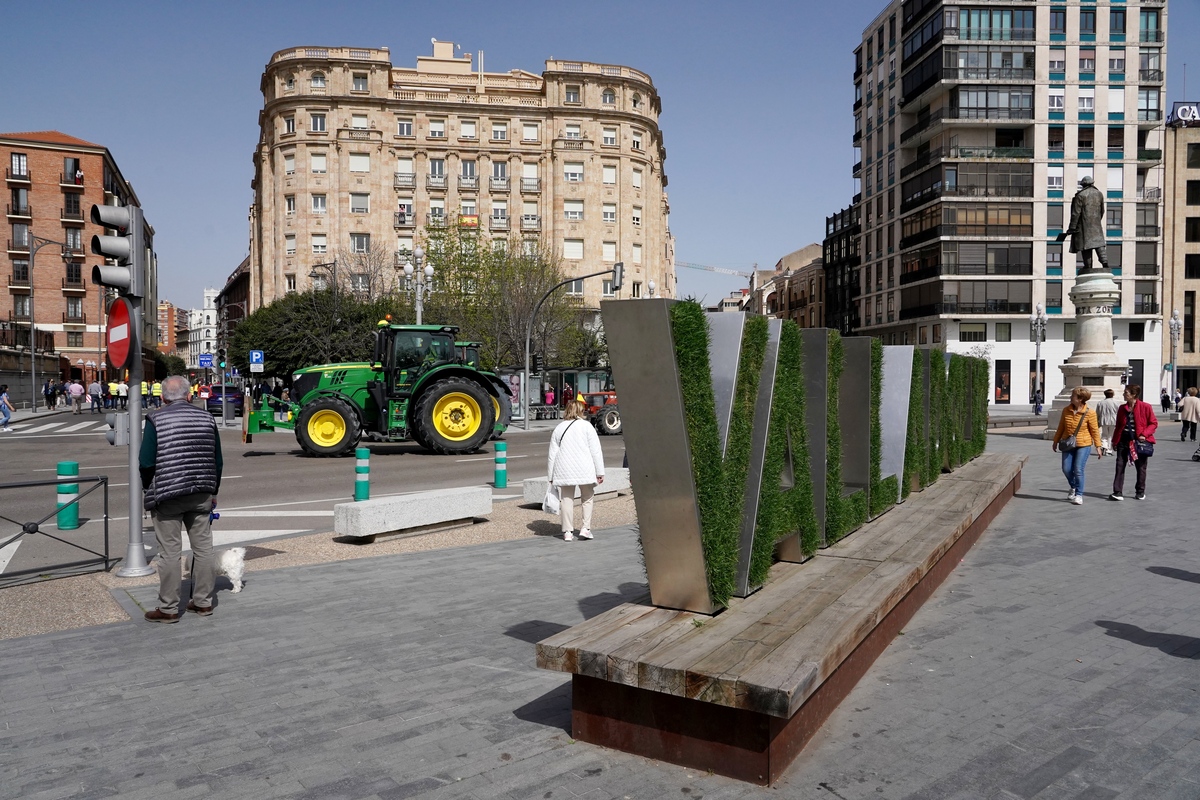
{"x":1061,"y":659}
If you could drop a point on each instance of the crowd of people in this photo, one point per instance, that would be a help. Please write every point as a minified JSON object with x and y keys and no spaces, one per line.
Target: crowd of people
{"x":99,"y":396}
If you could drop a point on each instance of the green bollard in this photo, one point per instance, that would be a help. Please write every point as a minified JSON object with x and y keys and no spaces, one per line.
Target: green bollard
{"x":68,"y":513}
{"x":501,"y":480}
{"x":362,"y":474}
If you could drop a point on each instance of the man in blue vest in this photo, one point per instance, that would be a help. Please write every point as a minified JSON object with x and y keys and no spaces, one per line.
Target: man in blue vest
{"x":181,"y":469}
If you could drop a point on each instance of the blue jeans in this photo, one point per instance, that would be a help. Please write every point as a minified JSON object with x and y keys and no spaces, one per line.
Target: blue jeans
{"x":1073,"y":462}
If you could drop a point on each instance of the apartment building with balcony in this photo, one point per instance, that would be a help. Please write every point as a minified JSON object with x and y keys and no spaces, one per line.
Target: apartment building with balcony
{"x":52,"y":180}
{"x":795,"y":290}
{"x":974,"y":124}
{"x":355,"y":152}
{"x":1181,"y":240}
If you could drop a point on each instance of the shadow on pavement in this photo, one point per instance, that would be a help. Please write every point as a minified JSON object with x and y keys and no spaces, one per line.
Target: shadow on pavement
{"x":534,"y":630}
{"x":1170,"y":643}
{"x":553,"y":709}
{"x":1177,"y":574}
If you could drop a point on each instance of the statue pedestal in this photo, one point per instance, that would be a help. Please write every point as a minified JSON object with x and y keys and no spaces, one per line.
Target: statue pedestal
{"x":1093,"y":363}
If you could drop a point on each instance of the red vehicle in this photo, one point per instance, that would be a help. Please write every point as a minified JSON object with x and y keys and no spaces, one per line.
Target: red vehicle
{"x":603,"y":411}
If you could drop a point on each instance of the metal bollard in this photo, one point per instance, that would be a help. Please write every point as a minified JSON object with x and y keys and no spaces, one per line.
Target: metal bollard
{"x":68,"y":514}
{"x":362,"y":474}
{"x":501,"y":479}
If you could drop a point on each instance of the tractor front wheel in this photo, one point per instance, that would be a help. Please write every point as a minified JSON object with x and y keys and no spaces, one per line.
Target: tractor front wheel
{"x":327,"y":427}
{"x":454,"y":416}
{"x":608,"y":420}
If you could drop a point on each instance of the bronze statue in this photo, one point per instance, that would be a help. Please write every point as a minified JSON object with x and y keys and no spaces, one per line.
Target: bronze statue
{"x":1087,"y":224}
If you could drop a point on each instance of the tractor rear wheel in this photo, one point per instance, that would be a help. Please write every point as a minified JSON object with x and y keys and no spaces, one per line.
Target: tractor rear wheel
{"x":328,"y":426}
{"x":608,"y":420}
{"x":454,"y":415}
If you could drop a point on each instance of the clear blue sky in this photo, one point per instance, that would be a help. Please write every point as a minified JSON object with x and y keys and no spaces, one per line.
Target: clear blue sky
{"x":756,"y":103}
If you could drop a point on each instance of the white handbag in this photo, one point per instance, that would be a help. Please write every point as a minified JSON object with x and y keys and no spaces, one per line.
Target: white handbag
{"x":551,"y":503}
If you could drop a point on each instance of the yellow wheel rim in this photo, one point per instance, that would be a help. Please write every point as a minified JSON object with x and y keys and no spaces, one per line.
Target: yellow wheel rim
{"x":326,"y":428}
{"x":496,"y":408}
{"x":457,"y":416}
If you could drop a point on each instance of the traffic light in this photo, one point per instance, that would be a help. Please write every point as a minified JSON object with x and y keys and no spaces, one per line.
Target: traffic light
{"x":538,"y":363}
{"x":127,"y":248}
{"x":119,"y":423}
{"x":618,"y":276}
{"x":221,"y":358}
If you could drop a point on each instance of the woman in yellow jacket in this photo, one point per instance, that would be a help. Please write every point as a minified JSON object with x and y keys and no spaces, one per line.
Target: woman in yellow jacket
{"x":1078,"y":420}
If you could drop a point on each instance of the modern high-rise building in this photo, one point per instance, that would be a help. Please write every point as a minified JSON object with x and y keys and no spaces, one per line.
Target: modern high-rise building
{"x":356,"y":155}
{"x":975,"y":124}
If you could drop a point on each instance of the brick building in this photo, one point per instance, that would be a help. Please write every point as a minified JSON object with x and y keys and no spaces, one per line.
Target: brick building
{"x":168,"y":320}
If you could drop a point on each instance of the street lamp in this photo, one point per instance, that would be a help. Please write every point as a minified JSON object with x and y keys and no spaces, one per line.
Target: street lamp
{"x":1176,"y":327}
{"x":418,"y":282}
{"x":1037,"y":324}
{"x":650,"y":286}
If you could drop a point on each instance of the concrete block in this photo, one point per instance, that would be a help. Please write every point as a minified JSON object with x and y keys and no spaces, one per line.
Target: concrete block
{"x":387,"y":514}
{"x":615,"y":480}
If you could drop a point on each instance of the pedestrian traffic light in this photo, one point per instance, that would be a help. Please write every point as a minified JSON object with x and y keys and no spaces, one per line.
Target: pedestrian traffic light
{"x":118,"y":436}
{"x":127,"y":248}
{"x":221,"y":358}
{"x":618,"y":276}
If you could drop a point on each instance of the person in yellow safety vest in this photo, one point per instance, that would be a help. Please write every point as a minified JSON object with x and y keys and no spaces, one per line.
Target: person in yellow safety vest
{"x":111,"y":400}
{"x":156,"y":391}
{"x":145,"y":394}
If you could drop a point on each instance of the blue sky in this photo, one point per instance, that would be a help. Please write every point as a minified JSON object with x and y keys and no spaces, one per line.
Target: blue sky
{"x":756,"y":103}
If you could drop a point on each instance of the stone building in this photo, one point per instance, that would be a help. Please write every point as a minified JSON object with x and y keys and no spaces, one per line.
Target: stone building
{"x":795,"y":290}
{"x":1181,"y":240}
{"x":356,"y":155}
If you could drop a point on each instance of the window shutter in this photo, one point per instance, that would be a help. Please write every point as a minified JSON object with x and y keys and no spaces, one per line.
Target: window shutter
{"x":360,"y":162}
{"x":573,"y":248}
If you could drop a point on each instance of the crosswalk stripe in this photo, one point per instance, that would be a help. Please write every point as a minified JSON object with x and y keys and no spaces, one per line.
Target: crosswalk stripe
{"x":39,"y":428}
{"x":78,"y":426}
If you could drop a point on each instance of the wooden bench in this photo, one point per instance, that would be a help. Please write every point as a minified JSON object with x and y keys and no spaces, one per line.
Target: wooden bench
{"x":742,"y":692}
{"x":407,"y":514}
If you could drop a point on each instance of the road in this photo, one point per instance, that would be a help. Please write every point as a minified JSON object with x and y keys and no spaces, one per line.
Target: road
{"x":269,"y":488}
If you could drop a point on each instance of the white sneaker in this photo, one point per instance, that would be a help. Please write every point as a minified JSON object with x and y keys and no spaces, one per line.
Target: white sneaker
{"x":8,"y":430}
{"x":586,"y":533}
{"x":1077,"y":500}
{"x":568,"y":537}
{"x":1071,"y":495}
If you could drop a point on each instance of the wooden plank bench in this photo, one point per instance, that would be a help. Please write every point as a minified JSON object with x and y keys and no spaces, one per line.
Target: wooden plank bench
{"x":407,"y":514}
{"x":742,"y":692}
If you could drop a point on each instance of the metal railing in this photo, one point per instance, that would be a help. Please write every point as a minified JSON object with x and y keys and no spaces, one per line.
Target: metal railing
{"x":1150,"y":36}
{"x":23,"y":177}
{"x":405,"y":180}
{"x":498,"y":184}
{"x":435,"y":181}
{"x":18,"y":246}
{"x":499,"y":223}
{"x":1150,"y":75}
{"x":1145,"y":306}
{"x":531,"y":184}
{"x":14,"y":336}
{"x":961,"y":151}
{"x":74,"y":283}
{"x":404,"y":220}
{"x":1149,"y":155}
{"x":468,"y":181}
{"x":1149,"y":114}
{"x":74,"y":319}
{"x":15,"y":531}
{"x":19,"y":211}
{"x":531,"y":222}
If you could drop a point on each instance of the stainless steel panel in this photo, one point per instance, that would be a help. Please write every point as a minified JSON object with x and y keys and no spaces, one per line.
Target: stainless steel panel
{"x":724,"y":353}
{"x":642,"y":354}
{"x":854,"y":414}
{"x":815,"y":350}
{"x":893,"y":409}
{"x":758,"y":453}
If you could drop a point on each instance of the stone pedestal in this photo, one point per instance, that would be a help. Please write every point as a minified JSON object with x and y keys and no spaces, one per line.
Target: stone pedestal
{"x":1093,"y":363}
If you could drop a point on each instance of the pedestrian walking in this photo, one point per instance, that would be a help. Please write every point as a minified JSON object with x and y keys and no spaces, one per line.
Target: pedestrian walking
{"x":1106,"y":413}
{"x":48,"y":395}
{"x":145,"y":395}
{"x":1136,"y":423}
{"x":156,"y":394}
{"x":1079,"y":433}
{"x":110,"y":398}
{"x":6,"y":409}
{"x":1178,"y":399}
{"x":1165,"y":399}
{"x":1037,"y":402}
{"x":94,"y":392}
{"x":123,"y":393}
{"x":77,"y":395}
{"x":181,"y":468}
{"x":1190,"y":411}
{"x":575,"y":460}
{"x":64,"y":394}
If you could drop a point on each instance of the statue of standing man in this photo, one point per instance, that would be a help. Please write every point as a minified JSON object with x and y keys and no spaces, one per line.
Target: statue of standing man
{"x":1087,"y":224}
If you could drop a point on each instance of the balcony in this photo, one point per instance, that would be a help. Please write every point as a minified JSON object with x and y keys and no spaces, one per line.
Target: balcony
{"x":922,"y":161}
{"x":531,"y":222}
{"x":435,"y":220}
{"x":435,"y":181}
{"x":988,"y":74}
{"x":70,"y":182}
{"x":402,"y":219}
{"x":1149,"y":155}
{"x":969,"y":229}
{"x":991,"y":152}
{"x":1141,"y":306}
{"x":468,"y":182}
{"x":1150,"y":76}
{"x":987,"y":191}
{"x":17,"y":336}
{"x":74,"y":284}
{"x":18,"y":247}
{"x":1146,"y":270}
{"x":1147,"y":231}
{"x":999,"y":34}
{"x":531,"y":184}
{"x":73,"y":318}
{"x":498,"y":184}
{"x":404,"y":180}
{"x":19,"y":211}
{"x":1149,"y":114}
{"x":498,"y":223}
{"x":69,"y":215}
{"x":19,"y":279}
{"x":952,"y":306}
{"x":17,"y":177}
{"x":1150,"y":36}
{"x":73,"y":250}
{"x":1151,"y":193}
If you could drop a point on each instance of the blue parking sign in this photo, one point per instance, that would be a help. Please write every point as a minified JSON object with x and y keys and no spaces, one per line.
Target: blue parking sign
{"x":256,"y":357}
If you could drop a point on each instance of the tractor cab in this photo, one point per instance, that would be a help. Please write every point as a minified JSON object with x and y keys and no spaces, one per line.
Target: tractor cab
{"x":406,"y":353}
{"x":468,"y":353}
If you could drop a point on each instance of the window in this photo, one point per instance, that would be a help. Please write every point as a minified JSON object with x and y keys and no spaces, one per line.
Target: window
{"x":529,"y":132}
{"x":1054,"y":217}
{"x":1054,"y":294}
{"x":1191,"y":266}
{"x":404,"y":127}
{"x":637,"y":140}
{"x":289,"y":203}
{"x":360,"y":82}
{"x":1087,"y":22}
{"x":1116,"y":100}
{"x":636,"y":254}
{"x":1086,"y":137}
{"x":317,"y":81}
{"x":1068,"y":331}
{"x":608,"y":251}
{"x":437,"y":129}
{"x":359,"y":122}
{"x":1191,"y":229}
{"x":573,"y":171}
{"x":1087,"y":59}
{"x":316,"y":123}
{"x":1003,"y":331}
{"x":437,"y":209}
{"x":1193,"y":193}
{"x":1116,"y":178}
{"x":636,"y":291}
{"x":608,"y":173}
{"x":1193,"y":156}
{"x":499,"y":131}
{"x":404,"y":244}
{"x":609,"y":212}
{"x":573,"y":209}
{"x":360,"y":162}
{"x":21,"y":305}
{"x":1116,"y":60}
{"x":572,"y":94}
{"x":1114,"y":216}
{"x":1056,"y":99}
{"x":289,"y":83}
{"x":1054,"y":178}
{"x":606,"y":287}
{"x":289,"y":124}
{"x":1148,"y":105}
{"x":289,"y":244}
{"x":637,"y":179}
{"x":573,"y":132}
{"x":360,"y":203}
{"x":1058,"y":20}
{"x":972,"y":332}
{"x":1058,"y":59}
{"x":500,"y":170}
{"x":360,"y":242}
{"x":1116,"y":21}
{"x":468,"y":168}
{"x":575,"y":287}
{"x":637,"y":216}
{"x":1137,"y":331}
{"x":1116,"y":138}
{"x":437,"y":167}
{"x":317,"y":162}
{"x":318,"y":204}
{"x":467,"y":207}
{"x":1054,"y":253}
{"x":636,"y":101}
{"x":608,"y":97}
{"x":573,"y":248}
{"x":20,"y":165}
{"x":1087,"y":100}
{"x":74,"y":238}
{"x":467,"y":129}
{"x":318,"y":244}
{"x":1056,"y":138}
{"x":610,"y":137}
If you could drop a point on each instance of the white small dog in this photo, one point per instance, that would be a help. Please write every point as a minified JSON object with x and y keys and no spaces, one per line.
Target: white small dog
{"x":232,"y":564}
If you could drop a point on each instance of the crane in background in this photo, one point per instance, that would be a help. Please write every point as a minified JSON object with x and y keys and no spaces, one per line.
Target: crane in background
{"x":722,"y":270}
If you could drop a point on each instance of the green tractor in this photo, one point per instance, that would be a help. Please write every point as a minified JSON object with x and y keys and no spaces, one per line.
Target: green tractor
{"x":420,"y":385}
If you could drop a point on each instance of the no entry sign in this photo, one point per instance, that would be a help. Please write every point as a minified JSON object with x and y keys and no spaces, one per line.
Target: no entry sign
{"x":120,"y":333}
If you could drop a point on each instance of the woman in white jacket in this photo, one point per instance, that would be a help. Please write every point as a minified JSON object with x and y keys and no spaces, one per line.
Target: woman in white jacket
{"x":575,"y":460}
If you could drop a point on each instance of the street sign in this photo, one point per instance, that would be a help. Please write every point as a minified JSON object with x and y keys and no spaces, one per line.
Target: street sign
{"x":256,"y":357}
{"x":256,"y":367}
{"x":1169,"y":367}
{"x":206,"y":360}
{"x":119,"y":333}
{"x":233,"y":371}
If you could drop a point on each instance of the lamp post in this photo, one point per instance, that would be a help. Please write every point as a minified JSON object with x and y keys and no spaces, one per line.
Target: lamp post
{"x":223,"y":342}
{"x":1176,"y":327}
{"x":418,"y":282}
{"x":1037,"y":324}
{"x":650,"y":286}
{"x":35,"y":243}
